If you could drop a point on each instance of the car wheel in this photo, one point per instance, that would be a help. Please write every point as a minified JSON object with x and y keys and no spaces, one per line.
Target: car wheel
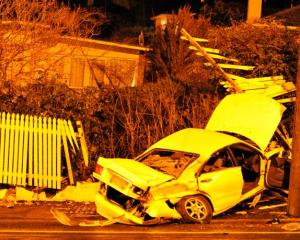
{"x":195,"y":209}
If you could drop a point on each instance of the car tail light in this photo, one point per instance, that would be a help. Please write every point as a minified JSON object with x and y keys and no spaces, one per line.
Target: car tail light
{"x":98,"y":169}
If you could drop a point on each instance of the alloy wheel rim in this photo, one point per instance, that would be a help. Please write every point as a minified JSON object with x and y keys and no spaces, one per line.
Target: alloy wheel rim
{"x":196,"y":209}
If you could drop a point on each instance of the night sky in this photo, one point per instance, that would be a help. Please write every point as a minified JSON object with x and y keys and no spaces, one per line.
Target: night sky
{"x":140,"y":11}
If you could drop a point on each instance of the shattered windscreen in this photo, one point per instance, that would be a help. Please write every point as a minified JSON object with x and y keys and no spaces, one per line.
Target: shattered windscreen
{"x":169,"y":162}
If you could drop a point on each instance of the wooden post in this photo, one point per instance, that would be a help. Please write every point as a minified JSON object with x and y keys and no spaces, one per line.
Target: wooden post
{"x":294,"y":186}
{"x":254,"y":10}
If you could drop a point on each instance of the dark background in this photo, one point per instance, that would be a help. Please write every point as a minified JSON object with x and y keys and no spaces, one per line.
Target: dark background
{"x":154,"y":7}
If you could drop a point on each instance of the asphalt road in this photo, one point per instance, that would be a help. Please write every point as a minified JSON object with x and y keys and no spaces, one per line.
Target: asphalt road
{"x":36,"y":222}
{"x":41,"y":229}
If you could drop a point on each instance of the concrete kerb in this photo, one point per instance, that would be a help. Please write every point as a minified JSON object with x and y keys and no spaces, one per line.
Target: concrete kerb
{"x":82,"y":192}
{"x":255,"y":220}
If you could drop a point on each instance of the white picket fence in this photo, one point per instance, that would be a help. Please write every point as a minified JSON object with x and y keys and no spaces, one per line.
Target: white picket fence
{"x":31,"y":150}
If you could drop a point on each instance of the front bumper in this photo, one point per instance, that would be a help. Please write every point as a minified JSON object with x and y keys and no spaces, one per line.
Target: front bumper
{"x":110,"y":210}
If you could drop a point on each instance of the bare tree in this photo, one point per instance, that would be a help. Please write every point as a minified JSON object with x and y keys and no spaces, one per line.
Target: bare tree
{"x":31,"y":33}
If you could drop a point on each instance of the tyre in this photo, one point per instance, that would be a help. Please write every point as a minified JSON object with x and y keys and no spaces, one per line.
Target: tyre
{"x":195,"y":209}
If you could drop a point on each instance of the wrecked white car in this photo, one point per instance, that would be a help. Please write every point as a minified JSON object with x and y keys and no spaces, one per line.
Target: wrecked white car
{"x":194,"y":174}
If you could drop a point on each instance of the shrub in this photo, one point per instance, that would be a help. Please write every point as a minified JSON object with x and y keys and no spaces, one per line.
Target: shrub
{"x":171,"y":57}
{"x":117,"y":123}
{"x":271,"y":49}
{"x":223,"y":13}
{"x":156,"y":110}
{"x":30,"y":31}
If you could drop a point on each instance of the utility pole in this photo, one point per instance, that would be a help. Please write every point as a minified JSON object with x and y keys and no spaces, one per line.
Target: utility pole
{"x":254,"y":10}
{"x":294,"y":185}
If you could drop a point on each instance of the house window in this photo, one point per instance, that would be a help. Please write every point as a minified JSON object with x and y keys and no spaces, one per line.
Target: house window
{"x":77,"y":73}
{"x":120,"y":72}
{"x":97,"y":72}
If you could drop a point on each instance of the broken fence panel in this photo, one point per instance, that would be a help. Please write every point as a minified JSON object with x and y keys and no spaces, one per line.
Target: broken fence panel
{"x":208,"y":50}
{"x":270,"y":78}
{"x":232,"y":66}
{"x":257,"y":80}
{"x":272,"y":91}
{"x":195,"y":39}
{"x":68,"y":160}
{"x":83,"y":143}
{"x":216,"y":56}
{"x":68,"y":134}
{"x":272,"y":86}
{"x":245,"y":85}
{"x":260,"y":83}
{"x":287,"y":100}
{"x":235,"y":77}
{"x":263,"y":84}
{"x":30,"y":150}
{"x":72,"y":132}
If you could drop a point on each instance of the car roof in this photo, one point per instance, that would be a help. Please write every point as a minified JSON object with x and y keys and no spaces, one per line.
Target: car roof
{"x":195,"y":140}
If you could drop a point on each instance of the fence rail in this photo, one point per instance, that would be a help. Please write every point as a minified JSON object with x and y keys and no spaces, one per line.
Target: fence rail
{"x":31,"y":150}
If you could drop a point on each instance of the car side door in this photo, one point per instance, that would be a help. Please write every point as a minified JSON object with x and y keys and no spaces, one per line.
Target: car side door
{"x":278,"y":169}
{"x":221,"y":180}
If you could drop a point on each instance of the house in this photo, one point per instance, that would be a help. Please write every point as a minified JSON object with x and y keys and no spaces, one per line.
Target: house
{"x":161,"y":20}
{"x":78,"y":62}
{"x":92,"y":62}
{"x":290,"y":16}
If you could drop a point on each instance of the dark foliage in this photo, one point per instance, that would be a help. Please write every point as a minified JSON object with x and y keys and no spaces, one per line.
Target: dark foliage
{"x":117,"y":123}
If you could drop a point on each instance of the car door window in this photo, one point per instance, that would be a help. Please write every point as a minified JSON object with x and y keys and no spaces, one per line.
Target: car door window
{"x":218,"y":161}
{"x":249,"y":160}
{"x":279,"y":169}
